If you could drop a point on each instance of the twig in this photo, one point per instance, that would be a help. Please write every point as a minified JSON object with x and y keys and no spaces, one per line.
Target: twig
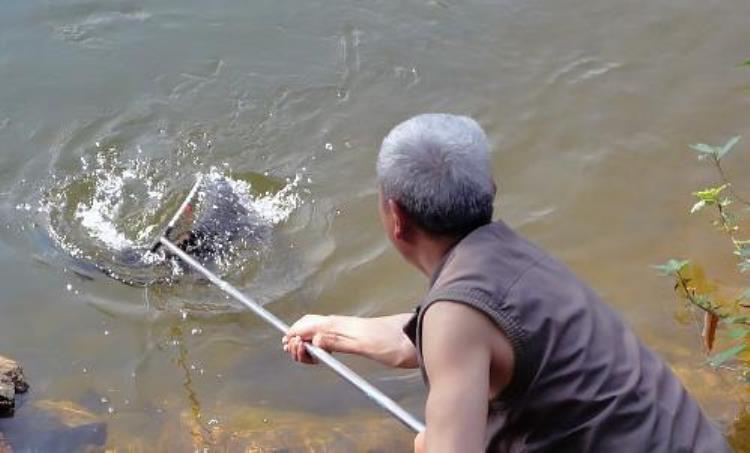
{"x":690,"y":296}
{"x":724,"y":179}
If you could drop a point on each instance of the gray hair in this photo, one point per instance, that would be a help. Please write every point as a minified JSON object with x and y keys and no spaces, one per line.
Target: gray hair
{"x":437,"y":168}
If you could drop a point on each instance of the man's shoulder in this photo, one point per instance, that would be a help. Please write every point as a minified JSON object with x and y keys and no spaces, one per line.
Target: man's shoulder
{"x":454,"y":317}
{"x":451,"y":330}
{"x":485,"y":264}
{"x":459,"y":323}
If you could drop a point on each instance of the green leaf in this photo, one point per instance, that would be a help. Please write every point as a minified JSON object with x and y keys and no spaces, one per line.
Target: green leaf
{"x":705,"y":150}
{"x":698,"y":206}
{"x":728,"y":146}
{"x":726,"y":355}
{"x":747,"y":63}
{"x":671,"y":267}
{"x":729,"y":220}
{"x":736,"y":334}
{"x":710,"y":194}
{"x":743,"y":251}
{"x":735,"y":320}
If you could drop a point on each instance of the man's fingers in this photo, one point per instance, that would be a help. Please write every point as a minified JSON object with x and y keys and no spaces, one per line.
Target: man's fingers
{"x":298,"y":351}
{"x":306,"y":329}
{"x":306,"y":357}
{"x":301,"y":352}
{"x":296,"y":344}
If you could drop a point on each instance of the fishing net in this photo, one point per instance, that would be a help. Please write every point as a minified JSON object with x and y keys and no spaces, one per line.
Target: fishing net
{"x":211,"y":223}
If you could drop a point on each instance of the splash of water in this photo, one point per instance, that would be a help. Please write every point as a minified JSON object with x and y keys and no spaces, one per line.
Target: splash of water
{"x":273,"y":208}
{"x":115,"y":206}
{"x":99,"y":216}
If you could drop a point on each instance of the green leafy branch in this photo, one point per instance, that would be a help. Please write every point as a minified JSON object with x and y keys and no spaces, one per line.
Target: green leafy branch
{"x":727,"y":220}
{"x":739,"y":330}
{"x":722,"y":197}
{"x":714,"y":154}
{"x":677,"y":270}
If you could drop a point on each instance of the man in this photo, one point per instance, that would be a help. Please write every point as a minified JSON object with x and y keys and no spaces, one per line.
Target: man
{"x":518,"y":354}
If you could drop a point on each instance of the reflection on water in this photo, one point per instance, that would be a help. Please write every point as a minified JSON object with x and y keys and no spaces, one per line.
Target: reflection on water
{"x":109,"y":109}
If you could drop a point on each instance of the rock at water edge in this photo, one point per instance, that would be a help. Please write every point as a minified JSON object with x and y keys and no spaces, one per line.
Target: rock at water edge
{"x":11,"y":370}
{"x":7,"y":397}
{"x":12,"y":381}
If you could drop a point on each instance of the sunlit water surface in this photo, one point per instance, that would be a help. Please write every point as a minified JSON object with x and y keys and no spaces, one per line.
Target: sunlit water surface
{"x":109,"y":109}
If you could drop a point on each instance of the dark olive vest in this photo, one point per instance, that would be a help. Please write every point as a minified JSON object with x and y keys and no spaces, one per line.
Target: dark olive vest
{"x":582,"y":381}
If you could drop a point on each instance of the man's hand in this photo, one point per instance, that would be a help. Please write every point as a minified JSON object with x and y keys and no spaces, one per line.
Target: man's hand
{"x":293,"y":342}
{"x":321,"y":332}
{"x":380,"y":339}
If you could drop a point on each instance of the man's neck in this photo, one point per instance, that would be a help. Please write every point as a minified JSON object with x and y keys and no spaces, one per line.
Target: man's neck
{"x":431,"y":251}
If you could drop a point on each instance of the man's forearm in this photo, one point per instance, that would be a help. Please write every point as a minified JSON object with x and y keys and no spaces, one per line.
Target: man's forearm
{"x":381,"y":339}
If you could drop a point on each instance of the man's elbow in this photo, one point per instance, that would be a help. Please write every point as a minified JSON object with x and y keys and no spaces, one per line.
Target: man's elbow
{"x":406,"y":356}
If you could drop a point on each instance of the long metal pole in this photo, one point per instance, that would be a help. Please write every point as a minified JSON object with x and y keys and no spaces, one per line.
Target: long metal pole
{"x":342,"y":370}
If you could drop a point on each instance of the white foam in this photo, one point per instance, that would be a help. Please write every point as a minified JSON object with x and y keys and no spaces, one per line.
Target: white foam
{"x":271,"y":208}
{"x":98,"y":220}
{"x":101,"y":215}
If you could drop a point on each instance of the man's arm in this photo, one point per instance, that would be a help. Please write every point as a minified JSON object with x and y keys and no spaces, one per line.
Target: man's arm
{"x":459,"y":344}
{"x":381,"y":339}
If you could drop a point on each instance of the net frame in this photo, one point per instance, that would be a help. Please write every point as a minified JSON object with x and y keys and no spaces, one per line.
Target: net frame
{"x":182,"y":219}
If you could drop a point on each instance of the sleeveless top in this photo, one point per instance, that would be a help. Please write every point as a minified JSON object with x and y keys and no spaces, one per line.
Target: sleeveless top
{"x":582,"y":381}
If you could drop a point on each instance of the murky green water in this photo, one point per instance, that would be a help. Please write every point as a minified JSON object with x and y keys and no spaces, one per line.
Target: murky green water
{"x":590,"y":106}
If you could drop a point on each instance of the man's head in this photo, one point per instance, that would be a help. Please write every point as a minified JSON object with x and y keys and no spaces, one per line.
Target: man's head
{"x":435,"y":176}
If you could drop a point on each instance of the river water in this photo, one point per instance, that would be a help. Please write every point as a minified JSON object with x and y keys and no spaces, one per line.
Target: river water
{"x":108,"y":109}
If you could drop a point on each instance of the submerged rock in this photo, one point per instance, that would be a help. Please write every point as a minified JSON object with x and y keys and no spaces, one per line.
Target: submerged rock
{"x":10,"y":369}
{"x":68,"y":413}
{"x":251,"y":429}
{"x":12,"y":381}
{"x":54,"y":426}
{"x":7,"y":398}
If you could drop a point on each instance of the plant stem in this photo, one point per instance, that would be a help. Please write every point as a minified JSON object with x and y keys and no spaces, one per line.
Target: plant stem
{"x":724,"y":179}
{"x":690,"y":295}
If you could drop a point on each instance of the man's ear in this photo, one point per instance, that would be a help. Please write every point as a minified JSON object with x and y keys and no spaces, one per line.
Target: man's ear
{"x":401,"y":223}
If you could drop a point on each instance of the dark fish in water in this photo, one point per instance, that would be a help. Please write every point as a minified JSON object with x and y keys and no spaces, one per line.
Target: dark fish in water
{"x":220,"y":225}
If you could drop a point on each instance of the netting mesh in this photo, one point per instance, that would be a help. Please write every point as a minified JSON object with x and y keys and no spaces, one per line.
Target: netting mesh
{"x":213,"y":223}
